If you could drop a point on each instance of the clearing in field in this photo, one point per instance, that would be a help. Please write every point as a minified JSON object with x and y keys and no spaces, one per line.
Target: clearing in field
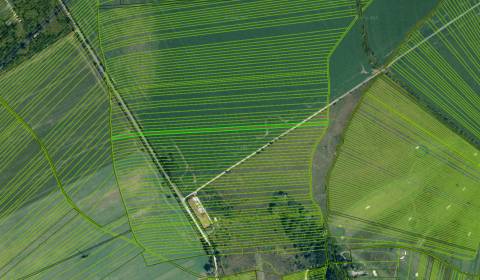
{"x":403,"y":175}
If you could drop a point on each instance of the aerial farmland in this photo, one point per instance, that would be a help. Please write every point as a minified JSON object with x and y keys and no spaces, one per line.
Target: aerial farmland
{"x":240,"y":139}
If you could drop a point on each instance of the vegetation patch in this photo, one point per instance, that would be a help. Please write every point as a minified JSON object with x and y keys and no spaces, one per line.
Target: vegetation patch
{"x":264,"y":204}
{"x":27,"y":27}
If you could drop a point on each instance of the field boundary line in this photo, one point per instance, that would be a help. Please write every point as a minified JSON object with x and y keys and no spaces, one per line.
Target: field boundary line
{"x":433,"y":34}
{"x":374,"y":75}
{"x":48,"y":158}
{"x":137,"y":128}
{"x":285,"y":133}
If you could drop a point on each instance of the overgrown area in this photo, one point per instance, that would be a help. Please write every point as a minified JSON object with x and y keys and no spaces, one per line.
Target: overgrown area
{"x":27,"y":27}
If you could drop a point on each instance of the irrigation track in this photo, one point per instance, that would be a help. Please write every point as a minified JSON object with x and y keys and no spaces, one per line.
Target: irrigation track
{"x":374,"y":75}
{"x":132,"y":120}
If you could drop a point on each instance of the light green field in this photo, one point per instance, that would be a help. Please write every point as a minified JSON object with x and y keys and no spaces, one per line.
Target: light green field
{"x":40,"y":224}
{"x":443,"y":71}
{"x":220,"y":79}
{"x":135,"y":269}
{"x":402,"y":174}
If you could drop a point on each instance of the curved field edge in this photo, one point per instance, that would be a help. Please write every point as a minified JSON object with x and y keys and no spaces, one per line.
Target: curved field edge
{"x":56,"y":126}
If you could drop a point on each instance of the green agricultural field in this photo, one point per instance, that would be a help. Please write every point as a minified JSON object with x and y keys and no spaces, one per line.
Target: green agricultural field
{"x":265,"y":204}
{"x":349,"y":64}
{"x":59,"y":96}
{"x":157,"y":139}
{"x":309,"y":274}
{"x":56,"y":199}
{"x":155,"y":216}
{"x":373,"y":40}
{"x":402,"y":174}
{"x":443,"y":71}
{"x":135,"y":268}
{"x":60,"y":202}
{"x":210,"y":90}
{"x":387,"y":23}
{"x":251,"y":275}
{"x":85,"y":13}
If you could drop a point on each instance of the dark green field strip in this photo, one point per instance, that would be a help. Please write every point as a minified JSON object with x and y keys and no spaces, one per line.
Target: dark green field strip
{"x":167,"y":6}
{"x":386,"y":25}
{"x":230,"y":126}
{"x":443,"y":72}
{"x":150,"y":23}
{"x":208,"y":91}
{"x":413,"y":172}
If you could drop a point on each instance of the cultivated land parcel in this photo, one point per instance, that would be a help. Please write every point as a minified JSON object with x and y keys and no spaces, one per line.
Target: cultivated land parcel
{"x":182,"y":145}
{"x":223,"y":78}
{"x":415,"y":180}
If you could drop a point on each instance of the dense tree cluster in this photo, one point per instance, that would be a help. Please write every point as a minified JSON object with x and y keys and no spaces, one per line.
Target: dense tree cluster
{"x":37,"y":24}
